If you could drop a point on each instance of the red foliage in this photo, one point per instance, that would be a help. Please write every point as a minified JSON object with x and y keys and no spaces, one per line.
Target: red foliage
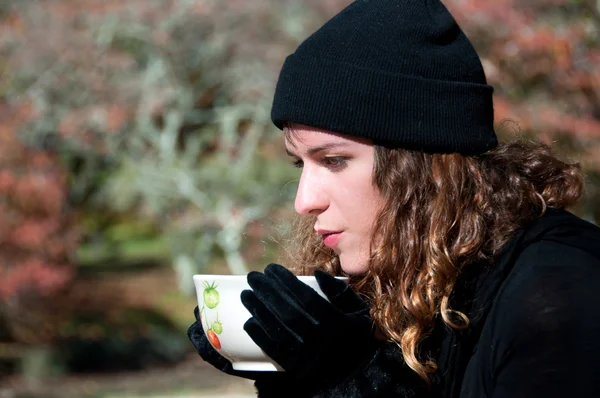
{"x":34,"y":276}
{"x":542,"y":57}
{"x":37,"y":235}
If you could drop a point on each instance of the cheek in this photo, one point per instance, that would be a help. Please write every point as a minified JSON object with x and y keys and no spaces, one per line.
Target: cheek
{"x":367,"y":207}
{"x":359,"y":216}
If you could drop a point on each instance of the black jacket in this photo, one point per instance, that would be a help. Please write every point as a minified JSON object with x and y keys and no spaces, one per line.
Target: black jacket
{"x":541,"y":336}
{"x":535,"y":325}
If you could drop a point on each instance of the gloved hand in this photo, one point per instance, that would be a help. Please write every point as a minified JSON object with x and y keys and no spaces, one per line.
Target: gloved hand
{"x":205,"y":350}
{"x":209,"y":354}
{"x":317,"y":342}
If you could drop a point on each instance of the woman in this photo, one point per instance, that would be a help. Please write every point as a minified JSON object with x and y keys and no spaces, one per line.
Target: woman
{"x":469,"y":279}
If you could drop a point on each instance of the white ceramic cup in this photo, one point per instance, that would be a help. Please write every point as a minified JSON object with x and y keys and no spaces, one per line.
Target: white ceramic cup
{"x":223,"y":316}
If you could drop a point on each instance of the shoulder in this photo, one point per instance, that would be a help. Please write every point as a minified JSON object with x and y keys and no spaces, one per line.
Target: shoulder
{"x":542,"y":331}
{"x":550,"y":268}
{"x":545,"y":308}
{"x":550,"y":271}
{"x":563,"y":254}
{"x":550,"y":278}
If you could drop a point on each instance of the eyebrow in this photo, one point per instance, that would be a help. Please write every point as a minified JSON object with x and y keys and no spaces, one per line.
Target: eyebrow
{"x":320,"y":148}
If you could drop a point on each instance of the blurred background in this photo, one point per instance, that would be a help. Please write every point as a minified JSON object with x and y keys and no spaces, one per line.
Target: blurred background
{"x":136,"y":150}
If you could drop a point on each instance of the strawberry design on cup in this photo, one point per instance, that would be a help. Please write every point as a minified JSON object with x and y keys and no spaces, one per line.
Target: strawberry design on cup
{"x":211,"y":295}
{"x":213,"y":339}
{"x":211,"y":300}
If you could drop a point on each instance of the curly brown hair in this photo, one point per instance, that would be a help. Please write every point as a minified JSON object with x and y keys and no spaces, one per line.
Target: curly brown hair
{"x":441,"y":212}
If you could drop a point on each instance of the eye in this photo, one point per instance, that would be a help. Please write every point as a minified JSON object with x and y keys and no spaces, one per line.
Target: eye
{"x":331,"y":162}
{"x":334,"y":162}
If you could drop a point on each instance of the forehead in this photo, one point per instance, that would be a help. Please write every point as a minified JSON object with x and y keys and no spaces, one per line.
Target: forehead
{"x":300,"y":136}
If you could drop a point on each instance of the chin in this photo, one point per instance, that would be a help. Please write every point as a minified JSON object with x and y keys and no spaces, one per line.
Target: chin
{"x":353,"y":267}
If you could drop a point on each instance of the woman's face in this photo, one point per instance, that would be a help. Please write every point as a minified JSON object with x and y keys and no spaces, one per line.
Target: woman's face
{"x":337,"y":188}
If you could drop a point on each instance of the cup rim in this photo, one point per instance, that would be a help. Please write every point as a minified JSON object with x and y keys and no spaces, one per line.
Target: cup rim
{"x":243,"y":277}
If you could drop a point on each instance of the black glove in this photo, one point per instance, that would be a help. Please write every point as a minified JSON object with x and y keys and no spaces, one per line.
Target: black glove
{"x":209,"y":354}
{"x":202,"y":345}
{"x":317,"y":342}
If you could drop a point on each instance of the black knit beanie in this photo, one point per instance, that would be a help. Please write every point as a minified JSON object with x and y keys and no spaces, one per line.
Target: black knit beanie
{"x":400,"y":72}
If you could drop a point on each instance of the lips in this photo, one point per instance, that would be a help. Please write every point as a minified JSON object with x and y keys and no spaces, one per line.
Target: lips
{"x":321,"y":231}
{"x":330,"y":238}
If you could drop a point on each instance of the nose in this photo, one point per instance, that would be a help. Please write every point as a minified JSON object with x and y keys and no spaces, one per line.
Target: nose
{"x":311,"y":199}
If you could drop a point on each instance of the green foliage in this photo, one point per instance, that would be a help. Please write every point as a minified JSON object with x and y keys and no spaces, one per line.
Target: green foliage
{"x":167,"y":118}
